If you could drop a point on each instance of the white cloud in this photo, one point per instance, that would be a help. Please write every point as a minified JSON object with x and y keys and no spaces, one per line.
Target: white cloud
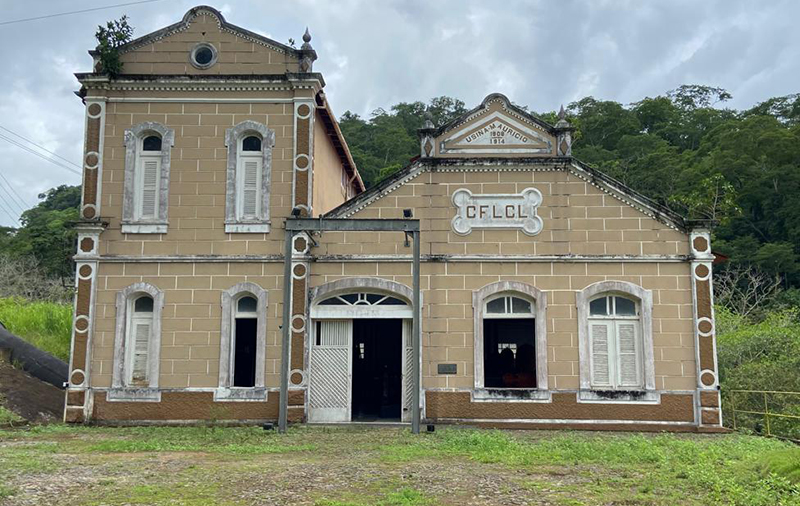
{"x":376,"y":53}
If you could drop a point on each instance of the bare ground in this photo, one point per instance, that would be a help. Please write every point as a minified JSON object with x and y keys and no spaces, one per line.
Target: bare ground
{"x":30,"y":398}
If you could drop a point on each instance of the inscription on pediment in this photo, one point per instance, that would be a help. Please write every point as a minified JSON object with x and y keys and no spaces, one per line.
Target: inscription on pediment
{"x":496,"y":133}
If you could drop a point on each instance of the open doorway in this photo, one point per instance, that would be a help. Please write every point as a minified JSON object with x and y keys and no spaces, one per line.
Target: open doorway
{"x":377,"y":369}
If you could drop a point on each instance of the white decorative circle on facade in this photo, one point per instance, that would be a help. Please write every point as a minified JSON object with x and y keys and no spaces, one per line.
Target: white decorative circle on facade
{"x":297,"y":372}
{"x":707,"y":323}
{"x":704,"y":375}
{"x":298,"y":323}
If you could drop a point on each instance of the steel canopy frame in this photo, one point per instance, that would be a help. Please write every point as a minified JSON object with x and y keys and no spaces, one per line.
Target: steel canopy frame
{"x":294,"y":225}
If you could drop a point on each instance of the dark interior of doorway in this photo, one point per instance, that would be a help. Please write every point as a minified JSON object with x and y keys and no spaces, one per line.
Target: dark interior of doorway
{"x":244,"y":358}
{"x":377,"y":369}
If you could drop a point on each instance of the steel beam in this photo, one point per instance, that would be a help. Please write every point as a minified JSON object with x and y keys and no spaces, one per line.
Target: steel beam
{"x":351,"y":225}
{"x":415,"y":338}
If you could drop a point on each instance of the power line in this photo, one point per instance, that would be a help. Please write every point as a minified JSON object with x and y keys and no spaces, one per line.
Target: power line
{"x":75,"y":12}
{"x":21,"y":200}
{"x":9,"y":214}
{"x":40,"y":147}
{"x":11,"y":200}
{"x":31,"y":151}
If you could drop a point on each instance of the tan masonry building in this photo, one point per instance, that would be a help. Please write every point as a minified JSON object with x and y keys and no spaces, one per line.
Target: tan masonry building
{"x":232,"y":267}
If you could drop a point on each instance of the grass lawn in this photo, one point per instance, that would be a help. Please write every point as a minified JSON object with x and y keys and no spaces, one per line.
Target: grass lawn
{"x":45,"y":325}
{"x":352,"y":466}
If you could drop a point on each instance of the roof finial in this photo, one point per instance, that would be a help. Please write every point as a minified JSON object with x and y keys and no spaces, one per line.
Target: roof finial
{"x":306,"y":39}
{"x":562,"y":118}
{"x":428,"y":120}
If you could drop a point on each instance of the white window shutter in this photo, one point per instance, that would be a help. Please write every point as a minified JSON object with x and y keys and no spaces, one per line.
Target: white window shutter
{"x":628,"y":350}
{"x":141,"y":344}
{"x":149,"y":188}
{"x":250,"y":187}
{"x":601,"y":358}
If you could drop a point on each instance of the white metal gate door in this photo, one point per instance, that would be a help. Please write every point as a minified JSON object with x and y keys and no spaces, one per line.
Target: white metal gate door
{"x":408,"y":370}
{"x":331,"y":374}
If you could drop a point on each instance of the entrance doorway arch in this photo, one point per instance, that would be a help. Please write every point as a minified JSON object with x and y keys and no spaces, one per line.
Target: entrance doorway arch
{"x":360,"y":350}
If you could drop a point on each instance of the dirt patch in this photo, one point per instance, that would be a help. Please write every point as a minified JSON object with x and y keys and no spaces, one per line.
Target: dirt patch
{"x":29,"y":397}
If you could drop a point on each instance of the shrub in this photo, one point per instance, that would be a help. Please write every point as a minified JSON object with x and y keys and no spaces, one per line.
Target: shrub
{"x":760,"y":356}
{"x":46,"y":325}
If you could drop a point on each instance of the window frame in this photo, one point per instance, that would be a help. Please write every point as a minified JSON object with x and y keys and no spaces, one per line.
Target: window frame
{"x":122,"y":386}
{"x":131,"y":320}
{"x":538,"y":299}
{"x":243,"y":157}
{"x":229,"y":300}
{"x":132,"y":221}
{"x":234,"y":221}
{"x":644,"y":304}
{"x":142,"y":157}
{"x":612,"y":319}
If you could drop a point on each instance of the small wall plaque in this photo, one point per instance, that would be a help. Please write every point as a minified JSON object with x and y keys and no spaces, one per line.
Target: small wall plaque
{"x":447,"y":368}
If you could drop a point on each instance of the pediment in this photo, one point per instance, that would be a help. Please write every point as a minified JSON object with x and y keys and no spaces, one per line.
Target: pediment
{"x":236,"y":50}
{"x":496,"y":128}
{"x":205,"y":19}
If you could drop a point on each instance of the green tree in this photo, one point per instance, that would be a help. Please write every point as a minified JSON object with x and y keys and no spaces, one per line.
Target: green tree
{"x":388,"y":140}
{"x":48,"y":232}
{"x":109,"y":39}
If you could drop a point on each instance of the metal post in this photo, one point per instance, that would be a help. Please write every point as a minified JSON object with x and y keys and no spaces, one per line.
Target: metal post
{"x":766,"y":413}
{"x":287,"y":314}
{"x":415,"y":338}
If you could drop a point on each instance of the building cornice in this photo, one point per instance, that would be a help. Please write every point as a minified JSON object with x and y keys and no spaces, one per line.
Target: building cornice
{"x":390,"y":258}
{"x":220,"y":82}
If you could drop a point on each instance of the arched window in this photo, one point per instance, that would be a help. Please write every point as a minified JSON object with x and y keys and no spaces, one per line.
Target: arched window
{"x":248,"y":182}
{"x":242,"y":343}
{"x":146,"y":186}
{"x":510,"y":338}
{"x":137,"y":343}
{"x":148,"y":172}
{"x":140,"y":328}
{"x":615,"y":337}
{"x":248,"y":179}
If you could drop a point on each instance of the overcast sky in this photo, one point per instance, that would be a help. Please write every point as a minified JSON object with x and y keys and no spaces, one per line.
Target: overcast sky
{"x":376,"y":53}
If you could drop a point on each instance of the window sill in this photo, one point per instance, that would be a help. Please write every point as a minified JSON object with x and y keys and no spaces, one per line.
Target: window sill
{"x":247,"y":228}
{"x":240,"y":394}
{"x":133,"y":394}
{"x":511,"y":395}
{"x":619,"y":396}
{"x":144,"y":228}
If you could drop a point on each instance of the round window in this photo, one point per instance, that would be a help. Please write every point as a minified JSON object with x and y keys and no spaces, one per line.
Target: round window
{"x":203,"y":55}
